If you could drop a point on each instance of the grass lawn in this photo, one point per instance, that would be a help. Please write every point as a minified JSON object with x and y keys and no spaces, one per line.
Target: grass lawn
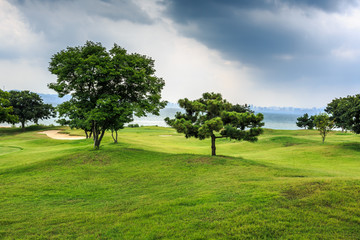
{"x":156,"y":184}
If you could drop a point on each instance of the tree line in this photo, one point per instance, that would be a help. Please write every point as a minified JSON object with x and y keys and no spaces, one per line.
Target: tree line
{"x":23,"y":106}
{"x":343,"y":113}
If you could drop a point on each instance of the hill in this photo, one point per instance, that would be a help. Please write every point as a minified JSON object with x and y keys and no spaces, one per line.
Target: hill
{"x":155,"y":184}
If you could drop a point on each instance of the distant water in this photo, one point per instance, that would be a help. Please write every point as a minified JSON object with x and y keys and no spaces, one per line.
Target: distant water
{"x":275,"y":117}
{"x":286,"y":121}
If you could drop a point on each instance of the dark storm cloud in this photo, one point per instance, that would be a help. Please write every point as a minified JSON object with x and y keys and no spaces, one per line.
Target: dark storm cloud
{"x":111,"y":9}
{"x":284,"y":52}
{"x":280,"y":37}
{"x":71,"y":22}
{"x":232,"y":27}
{"x":187,"y":10}
{"x":325,"y":5}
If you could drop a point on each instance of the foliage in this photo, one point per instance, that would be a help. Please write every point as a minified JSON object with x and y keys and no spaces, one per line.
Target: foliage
{"x":28,"y":106}
{"x":6,"y":110}
{"x":212,"y":114}
{"x":241,"y":108}
{"x":107,"y":87}
{"x":305,"y":121}
{"x":345,"y":112}
{"x":133,"y":125}
{"x":74,"y":117}
{"x":324,"y":124}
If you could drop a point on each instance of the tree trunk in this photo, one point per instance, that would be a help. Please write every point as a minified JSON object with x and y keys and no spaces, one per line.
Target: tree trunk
{"x":116,"y":135}
{"x":96,"y":140}
{"x":23,"y":125}
{"x":213,"y":148}
{"x":101,"y":137}
{"x":95,"y":136}
{"x":86,"y":134}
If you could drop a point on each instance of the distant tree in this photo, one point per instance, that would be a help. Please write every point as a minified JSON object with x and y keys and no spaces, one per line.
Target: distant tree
{"x":29,"y":106}
{"x":345,"y":112}
{"x":339,"y":110}
{"x":213,"y":117}
{"x":324,"y":124}
{"x":305,"y":121}
{"x":133,"y":125}
{"x":6,"y":110}
{"x":74,"y":117}
{"x":106,"y":86}
{"x":302,"y":121}
{"x":351,"y":118}
{"x":311,"y":123}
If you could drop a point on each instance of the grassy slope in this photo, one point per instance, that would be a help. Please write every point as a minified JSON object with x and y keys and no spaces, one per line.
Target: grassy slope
{"x":157,"y":184}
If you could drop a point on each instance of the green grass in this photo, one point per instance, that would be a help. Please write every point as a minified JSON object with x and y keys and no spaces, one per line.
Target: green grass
{"x":155,"y":184}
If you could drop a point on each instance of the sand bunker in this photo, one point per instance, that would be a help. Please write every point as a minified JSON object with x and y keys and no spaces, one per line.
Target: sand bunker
{"x":60,"y":136}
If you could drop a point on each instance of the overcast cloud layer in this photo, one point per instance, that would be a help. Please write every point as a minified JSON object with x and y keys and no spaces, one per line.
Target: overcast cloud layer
{"x":299,"y":53}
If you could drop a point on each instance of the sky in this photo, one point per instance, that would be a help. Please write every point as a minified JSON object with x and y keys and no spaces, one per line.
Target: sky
{"x":286,"y":53}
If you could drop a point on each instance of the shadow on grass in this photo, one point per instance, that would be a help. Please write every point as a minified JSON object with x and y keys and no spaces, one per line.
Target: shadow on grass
{"x":287,"y":141}
{"x":110,"y":154}
{"x":15,"y":130}
{"x":355,"y":146}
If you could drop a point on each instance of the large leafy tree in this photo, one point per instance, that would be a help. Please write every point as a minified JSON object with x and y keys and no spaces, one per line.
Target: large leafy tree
{"x":213,"y":117}
{"x":345,"y":112}
{"x":338,"y":109}
{"x":324,"y":124}
{"x":107,"y":87}
{"x":6,"y":110}
{"x":28,"y":106}
{"x":351,"y":117}
{"x":305,"y":121}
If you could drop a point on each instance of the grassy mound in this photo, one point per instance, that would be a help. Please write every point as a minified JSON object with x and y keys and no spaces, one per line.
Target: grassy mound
{"x":155,"y":184}
{"x":8,"y":149}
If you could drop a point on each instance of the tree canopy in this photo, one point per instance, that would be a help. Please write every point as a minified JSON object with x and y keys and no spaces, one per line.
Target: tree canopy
{"x":28,"y":106}
{"x":214,"y":117}
{"x":74,"y":117}
{"x":106,"y":87}
{"x":345,"y":112}
{"x":305,"y":121}
{"x":6,"y":110}
{"x":324,"y":124}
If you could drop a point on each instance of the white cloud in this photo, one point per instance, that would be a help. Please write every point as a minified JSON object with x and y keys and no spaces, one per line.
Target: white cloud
{"x":32,"y":32}
{"x":16,"y":36}
{"x":346,"y":53}
{"x":188,"y":67}
{"x":25,"y":75}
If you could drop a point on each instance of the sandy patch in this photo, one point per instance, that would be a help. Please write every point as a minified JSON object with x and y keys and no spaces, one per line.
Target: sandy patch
{"x":60,"y":136}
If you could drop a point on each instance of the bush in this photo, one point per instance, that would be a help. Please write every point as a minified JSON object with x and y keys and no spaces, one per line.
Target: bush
{"x":133,"y":125}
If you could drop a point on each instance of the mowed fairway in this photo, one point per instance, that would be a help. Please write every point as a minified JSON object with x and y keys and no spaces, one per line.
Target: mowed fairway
{"x":156,"y":184}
